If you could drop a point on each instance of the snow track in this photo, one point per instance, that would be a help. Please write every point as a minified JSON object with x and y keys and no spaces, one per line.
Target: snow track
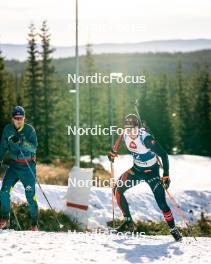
{"x":70,"y":248}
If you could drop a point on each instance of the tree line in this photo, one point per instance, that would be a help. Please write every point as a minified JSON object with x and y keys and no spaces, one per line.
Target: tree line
{"x":175,"y":104}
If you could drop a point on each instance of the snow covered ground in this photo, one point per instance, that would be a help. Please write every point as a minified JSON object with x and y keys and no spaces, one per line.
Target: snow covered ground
{"x":71,"y":248}
{"x":190,"y":185}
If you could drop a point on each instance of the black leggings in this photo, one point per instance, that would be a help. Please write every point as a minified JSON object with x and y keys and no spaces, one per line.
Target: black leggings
{"x":133,"y":177}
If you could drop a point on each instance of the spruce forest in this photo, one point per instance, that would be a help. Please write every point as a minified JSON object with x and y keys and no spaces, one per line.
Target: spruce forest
{"x":174,"y":102}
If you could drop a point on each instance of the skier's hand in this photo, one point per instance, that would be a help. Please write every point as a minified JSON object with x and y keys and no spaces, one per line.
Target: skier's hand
{"x":15,"y":139}
{"x":165,"y":181}
{"x":112,"y":155}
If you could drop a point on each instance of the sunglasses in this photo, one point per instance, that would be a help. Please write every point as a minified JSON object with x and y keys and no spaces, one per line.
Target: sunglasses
{"x":18,"y":118}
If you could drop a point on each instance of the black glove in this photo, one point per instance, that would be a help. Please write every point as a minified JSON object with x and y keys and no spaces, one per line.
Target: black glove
{"x":112,"y":155}
{"x":165,"y":181}
{"x":14,"y":139}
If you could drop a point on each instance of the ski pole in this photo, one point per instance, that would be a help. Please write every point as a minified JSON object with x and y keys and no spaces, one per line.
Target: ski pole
{"x":180,"y":213}
{"x":137,"y":112}
{"x":112,"y":201}
{"x":115,"y":148}
{"x":55,"y":217}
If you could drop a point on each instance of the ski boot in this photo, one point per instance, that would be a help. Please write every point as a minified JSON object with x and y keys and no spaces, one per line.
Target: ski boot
{"x":126,"y":226}
{"x":3,"y":223}
{"x":34,"y":228}
{"x":176,"y":234}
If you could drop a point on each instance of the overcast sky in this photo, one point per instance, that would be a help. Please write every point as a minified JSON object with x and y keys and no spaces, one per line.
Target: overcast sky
{"x":106,"y":21}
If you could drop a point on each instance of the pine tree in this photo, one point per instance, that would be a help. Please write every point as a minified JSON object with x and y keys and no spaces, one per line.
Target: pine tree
{"x":19,"y":89}
{"x":202,"y":112}
{"x":160,"y":109}
{"x":7,"y":94}
{"x":144,"y":100}
{"x":49,"y":92}
{"x":32,"y":82}
{"x":182,"y":111}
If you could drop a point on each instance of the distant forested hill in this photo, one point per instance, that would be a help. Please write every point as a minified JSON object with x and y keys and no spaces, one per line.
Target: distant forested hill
{"x":153,"y":63}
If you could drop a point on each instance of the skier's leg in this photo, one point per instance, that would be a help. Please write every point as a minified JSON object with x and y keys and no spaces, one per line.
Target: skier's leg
{"x":153,"y":179}
{"x":9,"y":180}
{"x":127,"y":180}
{"x":29,"y":182}
{"x":160,"y":198}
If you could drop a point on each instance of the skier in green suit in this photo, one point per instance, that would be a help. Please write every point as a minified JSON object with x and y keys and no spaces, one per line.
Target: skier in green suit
{"x":20,"y":140}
